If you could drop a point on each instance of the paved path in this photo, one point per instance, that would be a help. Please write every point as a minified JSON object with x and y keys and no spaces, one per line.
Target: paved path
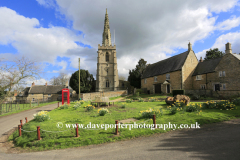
{"x":218,"y":141}
{"x":12,"y":121}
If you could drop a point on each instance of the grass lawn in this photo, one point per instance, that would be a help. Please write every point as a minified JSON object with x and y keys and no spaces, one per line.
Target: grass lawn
{"x":66,"y":138}
{"x":21,"y":107}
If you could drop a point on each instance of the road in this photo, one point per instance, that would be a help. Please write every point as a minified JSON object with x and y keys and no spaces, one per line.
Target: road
{"x":218,"y":141}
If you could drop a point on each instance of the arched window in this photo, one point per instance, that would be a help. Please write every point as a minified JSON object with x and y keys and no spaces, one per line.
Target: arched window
{"x":107,"y":57}
{"x":107,"y":83}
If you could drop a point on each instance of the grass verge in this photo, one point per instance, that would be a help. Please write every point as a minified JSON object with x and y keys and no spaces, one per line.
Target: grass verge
{"x":59,"y":138}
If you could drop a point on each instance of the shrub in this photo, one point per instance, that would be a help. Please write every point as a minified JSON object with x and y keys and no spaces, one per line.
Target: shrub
{"x":152,"y":99}
{"x":140,"y":100}
{"x":123,"y":105}
{"x":82,"y":101}
{"x":209,"y":104}
{"x":135,"y":98}
{"x":176,"y":92}
{"x":137,"y":94}
{"x":236,"y":102}
{"x":102,"y":111}
{"x":173,"y":109}
{"x":41,"y":116}
{"x":178,"y":104}
{"x":89,"y":107}
{"x":195,"y":97}
{"x":64,"y":106}
{"x":139,"y":91}
{"x":225,"y":105}
{"x":150,"y":112}
{"x":128,"y":100}
{"x":77,"y":105}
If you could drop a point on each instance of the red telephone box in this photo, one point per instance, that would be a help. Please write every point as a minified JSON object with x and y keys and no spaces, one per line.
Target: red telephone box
{"x":65,"y":96}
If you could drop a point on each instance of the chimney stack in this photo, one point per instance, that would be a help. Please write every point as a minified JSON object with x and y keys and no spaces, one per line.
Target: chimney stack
{"x":33,"y":84}
{"x":228,"y":48}
{"x":189,"y":46}
{"x":46,"y":84}
{"x":201,"y":60}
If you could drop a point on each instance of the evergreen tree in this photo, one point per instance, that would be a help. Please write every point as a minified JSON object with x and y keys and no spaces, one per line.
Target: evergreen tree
{"x":213,"y":53}
{"x":87,"y":82}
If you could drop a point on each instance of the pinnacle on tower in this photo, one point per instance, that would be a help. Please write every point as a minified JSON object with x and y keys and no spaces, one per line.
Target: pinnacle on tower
{"x":106,"y":32}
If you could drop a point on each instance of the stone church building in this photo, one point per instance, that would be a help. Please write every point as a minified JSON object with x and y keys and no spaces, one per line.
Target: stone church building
{"x":107,"y":72}
{"x":214,"y":77}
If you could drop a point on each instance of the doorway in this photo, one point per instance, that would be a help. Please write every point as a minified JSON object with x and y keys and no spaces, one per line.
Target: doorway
{"x":168,"y":88}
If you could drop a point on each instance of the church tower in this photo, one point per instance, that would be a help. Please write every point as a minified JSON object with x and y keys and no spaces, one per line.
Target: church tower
{"x":107,"y":73}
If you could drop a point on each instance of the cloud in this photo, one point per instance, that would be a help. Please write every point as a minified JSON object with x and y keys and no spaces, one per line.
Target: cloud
{"x":229,"y":23}
{"x":152,"y":30}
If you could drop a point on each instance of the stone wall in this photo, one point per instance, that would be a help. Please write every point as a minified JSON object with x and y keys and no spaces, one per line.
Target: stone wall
{"x":199,"y":92}
{"x":93,"y":95}
{"x":175,"y":82}
{"x":188,"y":68}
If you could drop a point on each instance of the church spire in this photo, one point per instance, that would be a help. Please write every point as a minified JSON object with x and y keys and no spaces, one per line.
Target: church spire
{"x":106,"y":32}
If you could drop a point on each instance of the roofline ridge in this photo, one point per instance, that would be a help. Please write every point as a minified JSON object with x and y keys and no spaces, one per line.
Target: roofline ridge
{"x":169,"y":58}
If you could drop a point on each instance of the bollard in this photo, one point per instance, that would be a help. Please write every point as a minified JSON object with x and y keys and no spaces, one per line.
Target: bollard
{"x":154,"y":120}
{"x":26,"y":120}
{"x":19,"y":130}
{"x":58,"y":104}
{"x":77,"y":130}
{"x":38,"y":132}
{"x":116,"y":124}
{"x":21,"y":123}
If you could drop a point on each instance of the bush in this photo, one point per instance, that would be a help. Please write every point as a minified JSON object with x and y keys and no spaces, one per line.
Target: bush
{"x":64,"y":106}
{"x":236,"y":102}
{"x":225,"y":105}
{"x":82,"y":101}
{"x":195,"y":97}
{"x":152,"y":99}
{"x":41,"y":116}
{"x":137,"y":94}
{"x":140,"y":100}
{"x":176,"y":92}
{"x":102,"y":111}
{"x":123,"y":105}
{"x":77,"y":105}
{"x":128,"y":100}
{"x":149,"y":113}
{"x":209,"y":104}
{"x":178,"y":104}
{"x":89,"y":107}
{"x":139,"y":91}
{"x":135,"y":98}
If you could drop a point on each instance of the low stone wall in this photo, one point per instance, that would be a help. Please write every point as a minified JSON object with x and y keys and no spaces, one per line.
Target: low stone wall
{"x":222,"y":93}
{"x":93,"y":95}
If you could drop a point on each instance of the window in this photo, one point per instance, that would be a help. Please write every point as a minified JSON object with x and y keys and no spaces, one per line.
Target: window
{"x":203,"y":86}
{"x":223,"y":73}
{"x":145,"y":80}
{"x":33,"y":99}
{"x":223,"y":86}
{"x":220,"y":73}
{"x":32,"y":94}
{"x":199,"y":77}
{"x":168,"y":76}
{"x":122,"y":84}
{"x":107,"y":71}
{"x":155,"y":79}
{"x":107,"y":57}
{"x":107,"y":84}
{"x":49,"y":95}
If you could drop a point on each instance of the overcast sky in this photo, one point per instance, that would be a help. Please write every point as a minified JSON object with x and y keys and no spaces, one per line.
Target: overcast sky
{"x":57,"y":32}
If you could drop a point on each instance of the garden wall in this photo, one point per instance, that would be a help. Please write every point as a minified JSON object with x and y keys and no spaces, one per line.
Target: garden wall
{"x":93,"y":95}
{"x":200,"y":92}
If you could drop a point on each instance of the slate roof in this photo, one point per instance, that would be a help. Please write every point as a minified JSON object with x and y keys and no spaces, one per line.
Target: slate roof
{"x":237,"y":56}
{"x":206,"y":66}
{"x":49,"y":89}
{"x":171,"y":64}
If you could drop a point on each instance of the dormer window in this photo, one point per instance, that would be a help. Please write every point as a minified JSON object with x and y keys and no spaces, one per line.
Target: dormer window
{"x":107,"y":57}
{"x":220,"y":73}
{"x":155,"y":79}
{"x":168,"y":76}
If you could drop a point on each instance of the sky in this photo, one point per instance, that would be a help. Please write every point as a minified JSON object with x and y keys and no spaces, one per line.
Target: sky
{"x":55,"y":33}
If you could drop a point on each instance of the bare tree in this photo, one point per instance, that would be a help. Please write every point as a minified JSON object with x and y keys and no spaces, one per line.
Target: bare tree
{"x":60,"y":80}
{"x":13,"y":73}
{"x":122,"y":78}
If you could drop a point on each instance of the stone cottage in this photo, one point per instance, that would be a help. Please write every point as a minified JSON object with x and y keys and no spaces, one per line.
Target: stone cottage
{"x":214,"y":77}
